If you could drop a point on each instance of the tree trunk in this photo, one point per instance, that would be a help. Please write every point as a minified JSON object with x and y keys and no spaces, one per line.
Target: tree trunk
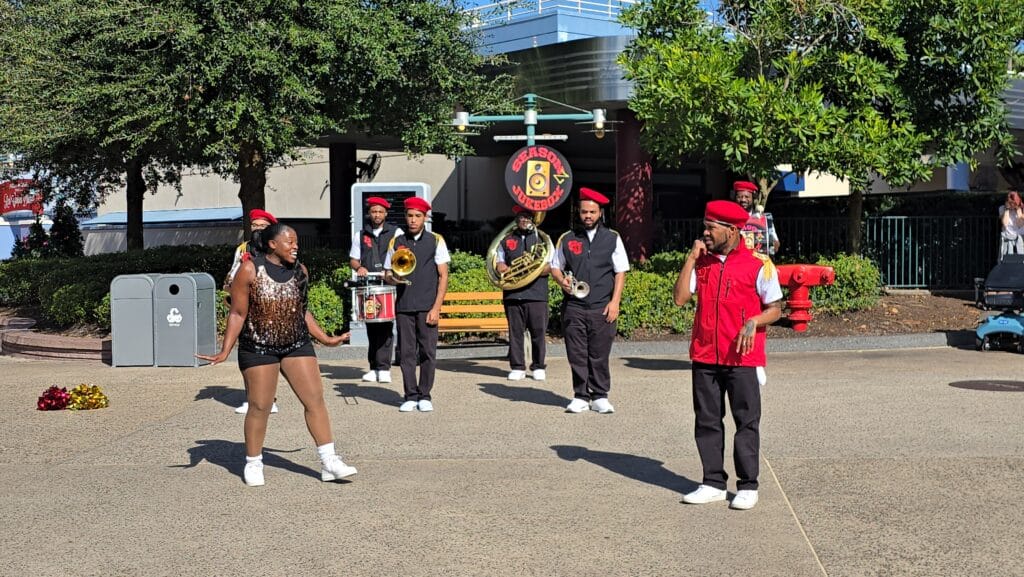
{"x":135,"y":193}
{"x":853,"y":226}
{"x":252,"y":178}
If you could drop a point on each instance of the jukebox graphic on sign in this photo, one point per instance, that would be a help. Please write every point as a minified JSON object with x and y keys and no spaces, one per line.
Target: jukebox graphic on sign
{"x":538,"y":178}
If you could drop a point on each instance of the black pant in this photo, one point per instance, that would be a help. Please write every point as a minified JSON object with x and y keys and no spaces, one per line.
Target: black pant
{"x":711,"y":384}
{"x":419,"y":347}
{"x":381,"y":337}
{"x":523,"y":315}
{"x":588,"y":342}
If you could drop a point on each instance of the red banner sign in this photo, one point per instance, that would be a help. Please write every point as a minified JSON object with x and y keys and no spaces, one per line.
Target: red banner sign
{"x":20,"y":194}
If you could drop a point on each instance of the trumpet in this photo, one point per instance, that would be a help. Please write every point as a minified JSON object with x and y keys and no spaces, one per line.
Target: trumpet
{"x":403,"y":262}
{"x":577,"y":288}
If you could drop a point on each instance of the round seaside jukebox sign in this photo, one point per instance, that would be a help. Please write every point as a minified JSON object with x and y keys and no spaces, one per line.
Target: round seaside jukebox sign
{"x":538,"y":178}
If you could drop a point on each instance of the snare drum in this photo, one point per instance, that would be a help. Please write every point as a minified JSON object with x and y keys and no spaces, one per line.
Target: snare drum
{"x":374,"y":304}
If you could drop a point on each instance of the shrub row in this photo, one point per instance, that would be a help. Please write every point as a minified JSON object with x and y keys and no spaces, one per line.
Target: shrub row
{"x":76,"y":291}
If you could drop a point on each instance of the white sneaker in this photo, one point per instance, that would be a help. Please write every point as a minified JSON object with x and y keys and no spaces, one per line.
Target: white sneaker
{"x":577,"y":406}
{"x":425,"y":406}
{"x":408,"y":406}
{"x":370,"y":377}
{"x":517,"y":375}
{"x":745,"y":499}
{"x":383,"y":376}
{"x":334,"y":468}
{"x":273,"y":408}
{"x":253,"y":474}
{"x":539,"y":375}
{"x":243,"y":408}
{"x":704,"y":494}
{"x":602,"y":406}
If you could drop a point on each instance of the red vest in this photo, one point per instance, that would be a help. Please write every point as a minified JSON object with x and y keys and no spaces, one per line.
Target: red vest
{"x":726,"y":298}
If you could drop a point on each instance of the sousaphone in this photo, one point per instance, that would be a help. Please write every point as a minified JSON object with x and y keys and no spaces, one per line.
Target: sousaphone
{"x":525,"y":268}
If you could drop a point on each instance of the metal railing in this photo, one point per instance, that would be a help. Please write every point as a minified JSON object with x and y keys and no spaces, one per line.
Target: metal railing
{"x":937,"y":252}
{"x":512,"y":10}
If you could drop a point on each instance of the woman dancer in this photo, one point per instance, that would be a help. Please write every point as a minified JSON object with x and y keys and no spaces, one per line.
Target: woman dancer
{"x":272,"y":326}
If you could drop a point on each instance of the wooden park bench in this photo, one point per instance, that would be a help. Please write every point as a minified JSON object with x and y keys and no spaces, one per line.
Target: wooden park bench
{"x":489,"y":316}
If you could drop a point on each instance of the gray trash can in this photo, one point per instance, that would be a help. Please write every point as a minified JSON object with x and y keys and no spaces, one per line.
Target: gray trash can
{"x":185,"y":319}
{"x":131,"y":320}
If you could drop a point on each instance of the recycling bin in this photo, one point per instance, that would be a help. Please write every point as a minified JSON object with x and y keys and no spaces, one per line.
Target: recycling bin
{"x":185,"y":319}
{"x":131,"y":320}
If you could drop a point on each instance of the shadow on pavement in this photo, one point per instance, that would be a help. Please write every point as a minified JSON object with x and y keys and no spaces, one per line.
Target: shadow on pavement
{"x":370,"y":392}
{"x":343,"y":373}
{"x":524,"y":394}
{"x":642,"y":469}
{"x":657,"y":364}
{"x":961,"y":339}
{"x":231,"y":456}
{"x":229,"y":396}
{"x":462,"y":366}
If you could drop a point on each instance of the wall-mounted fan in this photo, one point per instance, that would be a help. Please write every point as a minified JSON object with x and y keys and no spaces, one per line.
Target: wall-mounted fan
{"x":367,"y":168}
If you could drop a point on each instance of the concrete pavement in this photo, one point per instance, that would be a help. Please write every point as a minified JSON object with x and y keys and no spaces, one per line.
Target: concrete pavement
{"x":875,"y":462}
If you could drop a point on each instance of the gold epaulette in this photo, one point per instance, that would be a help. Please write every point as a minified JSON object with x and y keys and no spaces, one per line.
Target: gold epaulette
{"x":768,"y":266}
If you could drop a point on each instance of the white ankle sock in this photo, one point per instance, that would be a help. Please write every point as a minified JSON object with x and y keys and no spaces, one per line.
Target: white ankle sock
{"x":256,"y":459}
{"x":325,"y":451}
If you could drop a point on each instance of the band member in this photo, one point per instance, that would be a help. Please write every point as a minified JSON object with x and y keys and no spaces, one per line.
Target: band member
{"x":272,"y":326}
{"x":418,"y":303}
{"x":759,"y":235}
{"x":259,"y":219}
{"x":595,"y":255}
{"x":738,"y":296}
{"x":369,"y":248}
{"x":759,"y":231}
{"x":526,"y":308}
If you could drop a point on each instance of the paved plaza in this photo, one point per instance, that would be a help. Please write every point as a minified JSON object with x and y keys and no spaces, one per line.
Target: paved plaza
{"x":875,"y":462}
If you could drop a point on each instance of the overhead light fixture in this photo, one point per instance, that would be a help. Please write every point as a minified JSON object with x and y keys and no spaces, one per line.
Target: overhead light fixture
{"x":599,"y":123}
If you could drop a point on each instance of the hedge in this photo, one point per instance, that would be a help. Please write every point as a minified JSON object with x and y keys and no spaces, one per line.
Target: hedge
{"x":76,"y":291}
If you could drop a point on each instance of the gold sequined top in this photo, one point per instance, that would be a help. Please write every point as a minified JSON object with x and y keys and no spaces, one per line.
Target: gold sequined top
{"x":276,"y":323}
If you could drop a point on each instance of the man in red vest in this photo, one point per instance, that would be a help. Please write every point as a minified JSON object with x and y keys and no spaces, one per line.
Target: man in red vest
{"x":738,"y":297}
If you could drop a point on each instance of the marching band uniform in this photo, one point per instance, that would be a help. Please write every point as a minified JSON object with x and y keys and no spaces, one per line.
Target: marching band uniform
{"x":526,"y":308}
{"x":598,"y":257}
{"x":759,"y":230}
{"x":735,"y":288}
{"x":414,"y":303}
{"x":369,"y":249}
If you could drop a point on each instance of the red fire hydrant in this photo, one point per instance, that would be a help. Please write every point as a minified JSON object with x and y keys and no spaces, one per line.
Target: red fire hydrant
{"x":800,"y":278}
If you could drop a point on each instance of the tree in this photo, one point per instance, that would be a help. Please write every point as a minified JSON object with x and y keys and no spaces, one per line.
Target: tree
{"x":90,"y":96}
{"x":65,"y":236}
{"x":104,"y":92}
{"x":267,"y":77}
{"x":856,"y":89}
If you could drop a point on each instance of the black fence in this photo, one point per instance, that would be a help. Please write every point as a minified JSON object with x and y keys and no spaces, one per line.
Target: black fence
{"x":936,"y":252}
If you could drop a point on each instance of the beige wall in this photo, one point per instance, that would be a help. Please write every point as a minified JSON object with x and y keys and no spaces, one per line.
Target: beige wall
{"x":299,"y":190}
{"x":113,"y":240}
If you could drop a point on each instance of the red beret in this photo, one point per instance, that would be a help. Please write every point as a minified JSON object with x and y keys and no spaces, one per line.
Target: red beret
{"x":259,"y":213}
{"x":726,"y":211}
{"x":417,"y":203}
{"x":744,"y":185}
{"x":377,"y":201}
{"x":517,"y":209}
{"x":591,"y":194}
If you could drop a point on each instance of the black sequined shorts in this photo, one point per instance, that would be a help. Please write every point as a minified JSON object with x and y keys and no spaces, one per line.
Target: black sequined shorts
{"x":249,"y":359}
